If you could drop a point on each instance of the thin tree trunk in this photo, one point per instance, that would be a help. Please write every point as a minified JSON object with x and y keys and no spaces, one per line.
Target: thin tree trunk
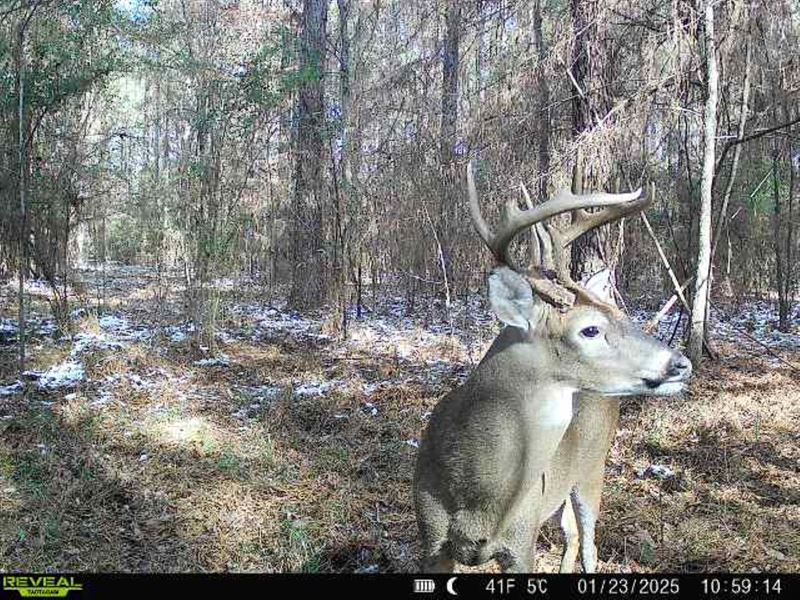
{"x":723,"y":211}
{"x":21,"y":184}
{"x":780,"y":263}
{"x":700,"y":305}
{"x":342,"y":172}
{"x":447,"y":139}
{"x":544,"y":102}
{"x":784,"y":323}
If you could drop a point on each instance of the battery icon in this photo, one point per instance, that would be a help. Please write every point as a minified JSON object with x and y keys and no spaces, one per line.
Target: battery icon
{"x":424,"y":586}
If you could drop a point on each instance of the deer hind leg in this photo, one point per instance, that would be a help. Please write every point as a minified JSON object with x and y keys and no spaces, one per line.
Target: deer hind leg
{"x":569,"y":527}
{"x":585,"y":517}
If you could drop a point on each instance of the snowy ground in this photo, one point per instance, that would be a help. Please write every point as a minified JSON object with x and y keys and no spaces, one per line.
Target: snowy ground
{"x":463,"y":332}
{"x":445,"y":342}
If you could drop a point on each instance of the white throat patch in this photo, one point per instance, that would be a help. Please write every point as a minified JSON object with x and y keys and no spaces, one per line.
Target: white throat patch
{"x":555,"y":408}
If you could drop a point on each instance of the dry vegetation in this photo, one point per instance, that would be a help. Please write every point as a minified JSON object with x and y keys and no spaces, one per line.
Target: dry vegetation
{"x":157,"y":463}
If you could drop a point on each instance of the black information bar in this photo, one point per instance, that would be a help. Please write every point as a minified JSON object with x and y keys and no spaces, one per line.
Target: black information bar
{"x":76,"y":586}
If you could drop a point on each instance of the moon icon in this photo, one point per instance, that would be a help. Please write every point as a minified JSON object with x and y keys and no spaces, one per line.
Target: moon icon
{"x":450,"y":589}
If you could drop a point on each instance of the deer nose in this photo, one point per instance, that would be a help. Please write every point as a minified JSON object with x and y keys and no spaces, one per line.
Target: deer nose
{"x":679,"y":365}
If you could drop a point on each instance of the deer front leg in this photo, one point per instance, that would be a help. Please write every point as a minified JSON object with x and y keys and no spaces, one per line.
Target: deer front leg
{"x":439,"y":563}
{"x":585,"y":518}
{"x":569,"y":527}
{"x":519,"y":554}
{"x":433,"y":522}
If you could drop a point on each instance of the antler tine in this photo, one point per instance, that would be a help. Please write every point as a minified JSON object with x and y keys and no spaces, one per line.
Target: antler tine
{"x":585,"y":221}
{"x":480,"y":223}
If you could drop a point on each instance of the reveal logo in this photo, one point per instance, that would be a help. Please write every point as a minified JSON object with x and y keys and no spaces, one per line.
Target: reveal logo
{"x":41,"y":586}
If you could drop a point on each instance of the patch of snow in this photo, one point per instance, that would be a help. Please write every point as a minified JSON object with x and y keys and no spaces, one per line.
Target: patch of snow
{"x":118,"y":329}
{"x":757,"y":318}
{"x":66,"y":374}
{"x":367,"y":570}
{"x":309,"y":390}
{"x":224,"y":337}
{"x":413,"y":442}
{"x":105,"y":398}
{"x":47,"y":327}
{"x":8,"y":330}
{"x":659,"y":472}
{"x":92,"y":342}
{"x":39,"y":287}
{"x":113,"y":323}
{"x":274,"y":320}
{"x":371,"y":408}
{"x":262,"y":392}
{"x":227,"y":284}
{"x":371,"y":388}
{"x":217,"y":361}
{"x":177,"y":334}
{"x":10,"y":390}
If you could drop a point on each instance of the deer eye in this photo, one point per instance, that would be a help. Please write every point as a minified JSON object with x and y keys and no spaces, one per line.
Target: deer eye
{"x":590,"y":332}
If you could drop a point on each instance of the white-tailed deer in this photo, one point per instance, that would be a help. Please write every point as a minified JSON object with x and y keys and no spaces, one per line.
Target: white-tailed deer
{"x":499,"y":457}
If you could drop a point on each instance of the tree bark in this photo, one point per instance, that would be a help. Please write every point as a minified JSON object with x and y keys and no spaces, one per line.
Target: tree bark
{"x":310,"y":280}
{"x":543,"y":105}
{"x":22,"y":158}
{"x":700,"y":304}
{"x":590,"y":72}
{"x":450,"y":58}
{"x":447,"y":140}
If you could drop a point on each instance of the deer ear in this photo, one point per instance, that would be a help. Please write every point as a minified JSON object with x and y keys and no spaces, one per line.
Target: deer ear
{"x":601,"y":285}
{"x":511,"y":298}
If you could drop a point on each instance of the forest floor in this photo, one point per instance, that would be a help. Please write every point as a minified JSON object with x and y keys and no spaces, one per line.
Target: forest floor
{"x":292,"y":450}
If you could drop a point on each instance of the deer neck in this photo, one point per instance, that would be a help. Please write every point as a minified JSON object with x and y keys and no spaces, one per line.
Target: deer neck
{"x":520,"y":370}
{"x":517,"y":373}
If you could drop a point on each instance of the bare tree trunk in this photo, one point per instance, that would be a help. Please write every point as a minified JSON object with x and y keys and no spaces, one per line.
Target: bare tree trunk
{"x":443,"y":228}
{"x":21,"y":185}
{"x":480,"y":55}
{"x":590,"y":72}
{"x":543,"y":105}
{"x":736,"y":155}
{"x":785,"y":308}
{"x":342,"y":172}
{"x":310,"y":279}
{"x":448,"y":129}
{"x":450,"y":57}
{"x":700,"y":304}
{"x":780,"y":264}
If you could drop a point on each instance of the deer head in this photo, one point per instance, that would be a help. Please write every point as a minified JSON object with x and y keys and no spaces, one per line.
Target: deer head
{"x":577,"y":336}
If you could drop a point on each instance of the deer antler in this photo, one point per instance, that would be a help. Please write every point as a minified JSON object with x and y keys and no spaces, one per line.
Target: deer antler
{"x":561,"y":291}
{"x":584,"y":221}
